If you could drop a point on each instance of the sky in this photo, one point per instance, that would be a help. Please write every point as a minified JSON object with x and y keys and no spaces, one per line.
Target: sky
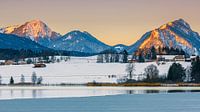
{"x":111,"y":21}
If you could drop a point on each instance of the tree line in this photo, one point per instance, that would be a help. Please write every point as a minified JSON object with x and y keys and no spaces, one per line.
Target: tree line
{"x":12,"y":54}
{"x":35,"y":80}
{"x":177,"y":73}
{"x":112,"y":57}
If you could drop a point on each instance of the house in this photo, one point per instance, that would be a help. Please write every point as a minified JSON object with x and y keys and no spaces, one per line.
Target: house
{"x":2,"y":62}
{"x":21,"y":62}
{"x":9,"y":62}
{"x":39,"y":65}
{"x":170,"y":58}
{"x":193,"y":58}
{"x":179,"y":58}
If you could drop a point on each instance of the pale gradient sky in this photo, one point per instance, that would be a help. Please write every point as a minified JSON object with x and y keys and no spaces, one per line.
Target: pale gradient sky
{"x":111,"y":21}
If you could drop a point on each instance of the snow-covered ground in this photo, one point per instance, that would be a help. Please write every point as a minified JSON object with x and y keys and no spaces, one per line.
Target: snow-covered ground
{"x":77,"y":70}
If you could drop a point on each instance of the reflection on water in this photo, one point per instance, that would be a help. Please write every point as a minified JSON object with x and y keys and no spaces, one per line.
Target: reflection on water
{"x":22,"y":93}
{"x":11,"y":93}
{"x":159,"y":91}
{"x":144,"y":91}
{"x":53,"y":93}
{"x":34,"y":94}
{"x":175,"y":91}
{"x":195,"y":91}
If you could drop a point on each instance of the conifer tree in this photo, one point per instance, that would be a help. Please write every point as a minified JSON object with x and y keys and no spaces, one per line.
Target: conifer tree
{"x":11,"y":80}
{"x":195,"y":74}
{"x":176,"y":73}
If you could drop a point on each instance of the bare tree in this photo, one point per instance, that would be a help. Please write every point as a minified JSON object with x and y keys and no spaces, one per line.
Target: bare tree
{"x":0,"y":80}
{"x":100,"y":58}
{"x":39,"y":80}
{"x":106,"y":56}
{"x":130,"y":68}
{"x":34,"y":78}
{"x":151,"y":72}
{"x":22,"y":79}
{"x":188,"y":72}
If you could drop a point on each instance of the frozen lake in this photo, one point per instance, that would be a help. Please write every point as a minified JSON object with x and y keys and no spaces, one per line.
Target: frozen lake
{"x":36,"y":92}
{"x":158,"y":102}
{"x":96,"y":99}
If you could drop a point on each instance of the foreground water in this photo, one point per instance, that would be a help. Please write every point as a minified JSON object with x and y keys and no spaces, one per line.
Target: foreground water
{"x":83,"y":99}
{"x":159,"y":102}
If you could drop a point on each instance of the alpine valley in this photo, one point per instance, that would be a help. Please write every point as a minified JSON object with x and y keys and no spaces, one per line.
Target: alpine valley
{"x":35,"y":35}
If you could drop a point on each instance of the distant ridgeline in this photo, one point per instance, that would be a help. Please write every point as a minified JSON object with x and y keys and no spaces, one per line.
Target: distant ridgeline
{"x":11,"y":54}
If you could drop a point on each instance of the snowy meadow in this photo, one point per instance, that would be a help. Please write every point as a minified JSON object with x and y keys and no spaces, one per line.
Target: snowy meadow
{"x":79,"y":70}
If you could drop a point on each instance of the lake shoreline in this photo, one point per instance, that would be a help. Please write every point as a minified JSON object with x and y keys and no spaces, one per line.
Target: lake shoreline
{"x":92,"y":84}
{"x":145,"y":84}
{"x":99,"y":88}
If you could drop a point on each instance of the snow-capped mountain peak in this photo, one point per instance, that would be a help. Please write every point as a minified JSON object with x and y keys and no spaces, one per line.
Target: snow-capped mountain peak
{"x":179,"y":24}
{"x":34,"y":29}
{"x":80,"y":41}
{"x":176,"y":34}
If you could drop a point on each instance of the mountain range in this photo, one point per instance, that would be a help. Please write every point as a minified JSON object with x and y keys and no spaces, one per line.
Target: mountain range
{"x":39,"y":32}
{"x":36,"y":35}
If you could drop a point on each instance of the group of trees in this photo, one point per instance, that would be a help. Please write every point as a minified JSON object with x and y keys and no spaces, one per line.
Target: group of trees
{"x":150,"y":54}
{"x":34,"y":79}
{"x":141,"y":58}
{"x":113,"y":57}
{"x":195,"y":70}
{"x":10,"y":54}
{"x":47,"y":59}
{"x":108,"y":58}
{"x":151,"y":72}
{"x":176,"y":73}
{"x":170,"y":51}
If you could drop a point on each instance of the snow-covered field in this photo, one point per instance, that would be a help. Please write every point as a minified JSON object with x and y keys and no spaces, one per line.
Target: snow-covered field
{"x":77,"y":70}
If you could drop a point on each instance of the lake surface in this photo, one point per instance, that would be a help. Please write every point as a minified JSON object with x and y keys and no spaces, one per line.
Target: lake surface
{"x":174,"y":102}
{"x":83,"y":99}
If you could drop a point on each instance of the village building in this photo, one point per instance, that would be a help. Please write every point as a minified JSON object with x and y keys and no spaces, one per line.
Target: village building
{"x":10,"y":62}
{"x":170,"y":58}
